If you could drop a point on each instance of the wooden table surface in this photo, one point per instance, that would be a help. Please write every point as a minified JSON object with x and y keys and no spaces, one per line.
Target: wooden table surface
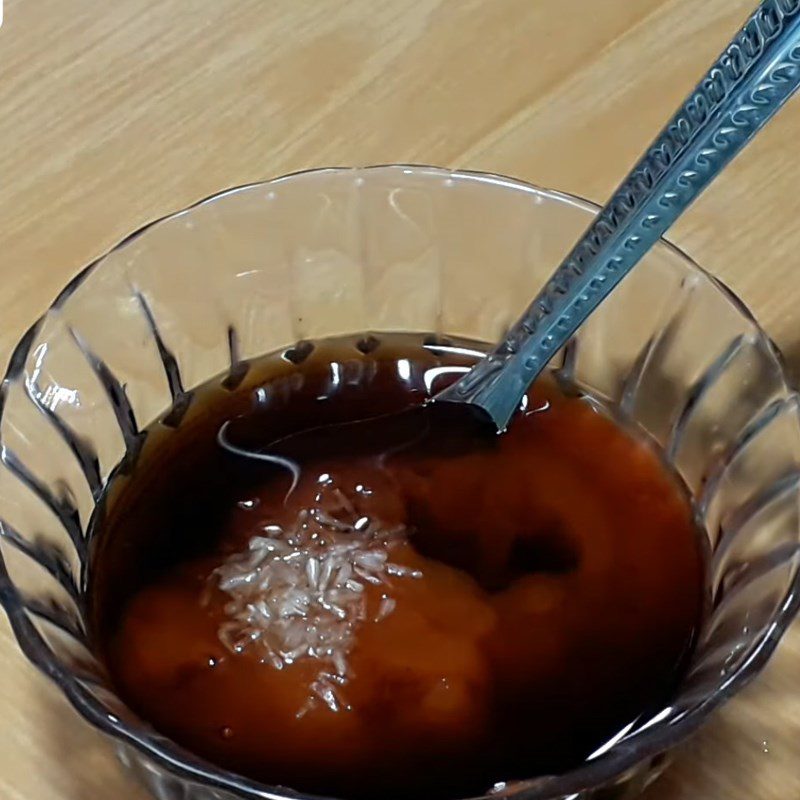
{"x":113,"y":112}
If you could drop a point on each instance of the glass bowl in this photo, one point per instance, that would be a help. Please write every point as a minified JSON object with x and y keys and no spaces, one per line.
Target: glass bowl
{"x":339,"y":251}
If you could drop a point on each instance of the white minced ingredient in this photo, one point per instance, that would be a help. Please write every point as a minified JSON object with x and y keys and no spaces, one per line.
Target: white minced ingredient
{"x":297,"y":592}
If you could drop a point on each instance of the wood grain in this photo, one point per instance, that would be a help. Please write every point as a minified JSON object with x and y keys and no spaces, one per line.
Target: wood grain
{"x":114,"y":113}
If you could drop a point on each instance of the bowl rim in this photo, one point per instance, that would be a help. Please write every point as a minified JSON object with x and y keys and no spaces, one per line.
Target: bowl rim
{"x":179,"y":761}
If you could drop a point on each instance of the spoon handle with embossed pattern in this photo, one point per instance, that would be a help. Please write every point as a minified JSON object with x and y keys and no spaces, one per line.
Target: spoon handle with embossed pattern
{"x":755,"y":75}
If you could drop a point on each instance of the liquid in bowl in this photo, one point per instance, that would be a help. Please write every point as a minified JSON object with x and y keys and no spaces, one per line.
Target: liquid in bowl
{"x":408,"y":618}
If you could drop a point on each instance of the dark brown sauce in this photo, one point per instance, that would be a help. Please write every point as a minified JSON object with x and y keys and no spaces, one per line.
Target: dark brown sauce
{"x":507,"y":604}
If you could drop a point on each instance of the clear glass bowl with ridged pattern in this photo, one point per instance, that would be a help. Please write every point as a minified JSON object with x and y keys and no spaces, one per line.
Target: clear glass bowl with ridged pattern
{"x":332,"y":252}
